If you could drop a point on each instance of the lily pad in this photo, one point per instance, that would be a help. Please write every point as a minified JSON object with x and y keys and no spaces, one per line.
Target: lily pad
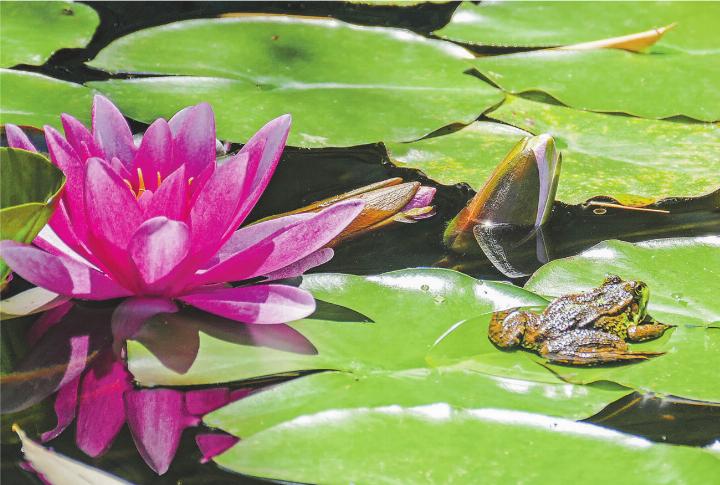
{"x":393,"y":321}
{"x":33,"y":31}
{"x":653,"y":85}
{"x":458,"y":386}
{"x":467,"y":155}
{"x":682,"y":274}
{"x":253,"y":68}
{"x":550,"y":24}
{"x":20,"y":92}
{"x":441,"y":444}
{"x":29,"y":186}
{"x":619,"y":155}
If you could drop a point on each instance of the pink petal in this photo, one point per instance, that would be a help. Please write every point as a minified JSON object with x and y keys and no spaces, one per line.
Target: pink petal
{"x":264,"y":304}
{"x":132,"y":313}
{"x":79,"y":138}
{"x":113,"y":216}
{"x":16,"y":138}
{"x":423,"y":198}
{"x":212,"y":444}
{"x":60,"y":274}
{"x":264,"y":150}
{"x":170,"y":200}
{"x":111,"y":132}
{"x":204,"y":401}
{"x":157,"y":419}
{"x":145,"y":201}
{"x":155,"y":153}
{"x":193,"y":132}
{"x":101,"y":412}
{"x":65,"y":404}
{"x":298,"y":268}
{"x":216,"y":205}
{"x":158,"y":249}
{"x":46,"y":321}
{"x":49,"y":240}
{"x":287,"y":246}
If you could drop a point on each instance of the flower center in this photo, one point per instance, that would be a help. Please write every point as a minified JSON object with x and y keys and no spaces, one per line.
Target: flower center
{"x":141,"y":183}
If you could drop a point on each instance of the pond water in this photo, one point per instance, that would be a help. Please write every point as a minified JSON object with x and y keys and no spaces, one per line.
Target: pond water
{"x":305,"y":176}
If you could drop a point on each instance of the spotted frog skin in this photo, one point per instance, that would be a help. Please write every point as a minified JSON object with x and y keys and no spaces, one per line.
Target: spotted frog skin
{"x":587,"y":328}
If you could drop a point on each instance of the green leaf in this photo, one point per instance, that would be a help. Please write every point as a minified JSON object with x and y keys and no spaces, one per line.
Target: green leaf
{"x":458,"y":386}
{"x":29,"y":184}
{"x":33,"y":31}
{"x":408,"y":310}
{"x":467,"y":155}
{"x":254,"y":68}
{"x":654,"y":85}
{"x":36,"y":100}
{"x":619,"y":155}
{"x":549,"y":24}
{"x":442,"y":444}
{"x":682,"y":274}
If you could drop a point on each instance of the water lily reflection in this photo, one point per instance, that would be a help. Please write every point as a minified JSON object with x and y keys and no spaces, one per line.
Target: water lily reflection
{"x":158,"y":222}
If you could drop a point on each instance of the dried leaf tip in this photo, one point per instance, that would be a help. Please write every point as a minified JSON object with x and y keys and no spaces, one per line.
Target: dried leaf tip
{"x":633,"y":42}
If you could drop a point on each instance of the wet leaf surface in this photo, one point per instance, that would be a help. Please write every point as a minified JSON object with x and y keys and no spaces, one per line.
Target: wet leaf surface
{"x":308,"y":67}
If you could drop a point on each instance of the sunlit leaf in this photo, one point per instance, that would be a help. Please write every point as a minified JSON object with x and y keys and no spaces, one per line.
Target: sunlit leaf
{"x":442,"y":444}
{"x":254,"y":68}
{"x":618,"y":155}
{"x":20,"y":92}
{"x":33,"y":31}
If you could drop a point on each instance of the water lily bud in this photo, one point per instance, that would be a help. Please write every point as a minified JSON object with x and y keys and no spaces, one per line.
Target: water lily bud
{"x":519,"y":192}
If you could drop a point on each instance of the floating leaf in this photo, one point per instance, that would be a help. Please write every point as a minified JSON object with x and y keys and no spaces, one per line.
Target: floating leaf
{"x":618,"y":155}
{"x":253,"y":68}
{"x":33,"y":31}
{"x":654,"y":85}
{"x":29,"y":186}
{"x":385,"y":322}
{"x":442,"y":444}
{"x":550,"y":24}
{"x":20,"y":92}
{"x":458,"y":386}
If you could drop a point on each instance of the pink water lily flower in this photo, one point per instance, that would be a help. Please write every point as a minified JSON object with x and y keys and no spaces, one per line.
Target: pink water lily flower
{"x":159,"y":222}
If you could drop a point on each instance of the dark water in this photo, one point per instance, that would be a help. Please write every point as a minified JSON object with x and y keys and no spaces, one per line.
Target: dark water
{"x":308,"y":175}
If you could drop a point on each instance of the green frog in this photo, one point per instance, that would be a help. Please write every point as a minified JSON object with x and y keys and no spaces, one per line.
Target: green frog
{"x":586,"y":328}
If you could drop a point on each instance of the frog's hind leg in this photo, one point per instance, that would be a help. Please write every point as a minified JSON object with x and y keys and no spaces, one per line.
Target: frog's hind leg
{"x":507,"y":328}
{"x":590,"y":347}
{"x":646,"y":331}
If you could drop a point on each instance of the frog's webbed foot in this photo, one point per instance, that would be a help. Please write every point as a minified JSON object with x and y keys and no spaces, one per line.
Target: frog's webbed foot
{"x":507,"y":327}
{"x":646,"y":331}
{"x":590,"y":347}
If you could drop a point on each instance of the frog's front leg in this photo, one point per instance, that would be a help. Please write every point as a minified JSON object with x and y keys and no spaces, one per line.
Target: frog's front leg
{"x":646,"y":331}
{"x":508,"y":327}
{"x":590,"y":347}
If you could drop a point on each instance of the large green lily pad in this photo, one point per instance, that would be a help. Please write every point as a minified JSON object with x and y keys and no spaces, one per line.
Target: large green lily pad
{"x":467,"y":155}
{"x":36,"y":100}
{"x":458,"y":386}
{"x":442,"y":444}
{"x":29,"y":186}
{"x":254,"y":68}
{"x":682,"y":274}
{"x":33,"y":31}
{"x":619,"y":155}
{"x":550,"y":24}
{"x":659,"y":84}
{"x":396,"y":319}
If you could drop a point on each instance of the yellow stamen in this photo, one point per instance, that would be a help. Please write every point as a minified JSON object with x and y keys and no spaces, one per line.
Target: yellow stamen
{"x":190,"y":180}
{"x":141,"y":183}
{"x":159,"y":178}
{"x":129,"y":186}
